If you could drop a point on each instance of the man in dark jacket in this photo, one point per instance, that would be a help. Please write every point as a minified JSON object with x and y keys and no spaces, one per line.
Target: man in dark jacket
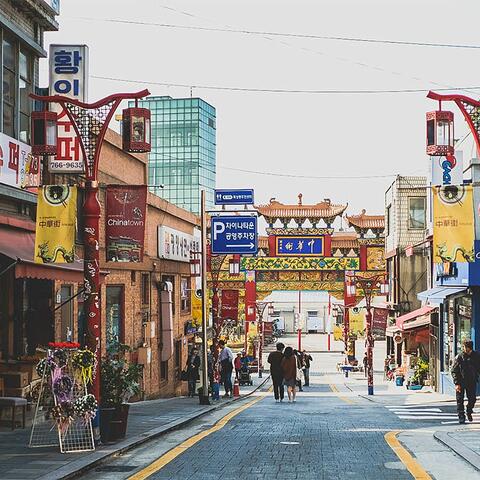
{"x":307,"y":358}
{"x":465,"y":372}
{"x":275,"y":360}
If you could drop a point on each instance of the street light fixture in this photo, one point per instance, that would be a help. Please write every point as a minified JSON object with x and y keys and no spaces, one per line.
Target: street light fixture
{"x":44,"y":133}
{"x":195,"y":265}
{"x":234,"y":265}
{"x":369,"y":286}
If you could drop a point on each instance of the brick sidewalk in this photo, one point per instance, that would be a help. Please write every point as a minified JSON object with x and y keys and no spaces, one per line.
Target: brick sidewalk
{"x":146,"y":420}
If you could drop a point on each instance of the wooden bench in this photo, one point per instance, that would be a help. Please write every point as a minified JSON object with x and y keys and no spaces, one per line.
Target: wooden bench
{"x":13,"y":403}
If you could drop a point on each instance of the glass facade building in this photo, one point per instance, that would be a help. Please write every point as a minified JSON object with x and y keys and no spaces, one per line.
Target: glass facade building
{"x":183,"y":156}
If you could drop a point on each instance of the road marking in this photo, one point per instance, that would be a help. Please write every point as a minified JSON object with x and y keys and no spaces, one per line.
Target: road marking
{"x":341,"y":397}
{"x":424,"y":417}
{"x":417,"y":471}
{"x":190,"y":442}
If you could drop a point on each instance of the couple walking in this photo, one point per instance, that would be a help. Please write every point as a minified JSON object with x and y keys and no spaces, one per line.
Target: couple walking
{"x":286,"y":370}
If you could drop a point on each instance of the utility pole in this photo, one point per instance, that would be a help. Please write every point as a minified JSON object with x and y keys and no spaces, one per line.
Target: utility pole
{"x":204,"y":398}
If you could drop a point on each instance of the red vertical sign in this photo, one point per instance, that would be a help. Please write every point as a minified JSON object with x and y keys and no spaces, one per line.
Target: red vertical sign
{"x":250,"y":296}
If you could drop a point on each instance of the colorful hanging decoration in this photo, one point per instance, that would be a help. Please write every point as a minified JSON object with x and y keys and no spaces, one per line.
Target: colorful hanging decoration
{"x":63,"y":415}
{"x":63,"y":388}
{"x":45,"y":367}
{"x":86,"y":407}
{"x":84,"y":361}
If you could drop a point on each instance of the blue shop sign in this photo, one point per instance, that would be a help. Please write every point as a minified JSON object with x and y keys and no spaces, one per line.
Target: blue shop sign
{"x":234,"y":235}
{"x":297,"y":246}
{"x":234,"y":197}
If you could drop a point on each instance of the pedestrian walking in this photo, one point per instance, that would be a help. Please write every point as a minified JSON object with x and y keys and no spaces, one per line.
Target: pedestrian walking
{"x":307,"y":358}
{"x":289,"y":372}
{"x":226,"y":364}
{"x":237,"y":364}
{"x":299,"y":356}
{"x":465,"y":372}
{"x":210,"y":366}
{"x":193,"y":364}
{"x":275,"y":361}
{"x":365,"y":364}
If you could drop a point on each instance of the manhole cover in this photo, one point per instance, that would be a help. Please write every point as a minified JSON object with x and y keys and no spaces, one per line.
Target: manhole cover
{"x":116,"y":468}
{"x":290,"y":443}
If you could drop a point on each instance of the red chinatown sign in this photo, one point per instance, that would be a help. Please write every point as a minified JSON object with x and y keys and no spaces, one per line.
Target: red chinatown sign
{"x":229,"y":308}
{"x":125,"y":222}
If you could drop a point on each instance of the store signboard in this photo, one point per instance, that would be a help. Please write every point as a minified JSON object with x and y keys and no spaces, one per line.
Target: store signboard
{"x":18,"y":167}
{"x":447,"y":171}
{"x":176,"y":245}
{"x":68,"y":77}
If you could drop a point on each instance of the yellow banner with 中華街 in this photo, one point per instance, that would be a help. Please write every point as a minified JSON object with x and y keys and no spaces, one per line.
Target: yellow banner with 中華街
{"x":453,"y":227}
{"x":196,"y":300}
{"x":56,"y":224}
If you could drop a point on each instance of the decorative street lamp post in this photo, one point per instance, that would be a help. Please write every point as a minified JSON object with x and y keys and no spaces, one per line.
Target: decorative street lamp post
{"x":369,"y":286}
{"x":260,"y":306}
{"x":90,"y":121}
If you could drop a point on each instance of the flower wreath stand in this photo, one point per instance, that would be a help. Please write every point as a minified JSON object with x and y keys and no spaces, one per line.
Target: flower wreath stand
{"x":64,"y":408}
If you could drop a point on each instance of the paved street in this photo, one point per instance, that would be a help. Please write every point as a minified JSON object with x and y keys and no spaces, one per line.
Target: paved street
{"x":331,"y":432}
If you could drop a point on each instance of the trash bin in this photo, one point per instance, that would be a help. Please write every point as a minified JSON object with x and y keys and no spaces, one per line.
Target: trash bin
{"x":399,"y":381}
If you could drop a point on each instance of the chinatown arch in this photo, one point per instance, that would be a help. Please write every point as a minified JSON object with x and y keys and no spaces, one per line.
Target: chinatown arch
{"x":285,"y":263}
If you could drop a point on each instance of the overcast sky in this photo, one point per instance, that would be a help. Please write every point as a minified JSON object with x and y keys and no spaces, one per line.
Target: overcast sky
{"x":314,"y":135}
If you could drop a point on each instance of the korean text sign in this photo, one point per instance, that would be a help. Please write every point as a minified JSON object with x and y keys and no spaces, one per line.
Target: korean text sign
{"x":18,"y":168}
{"x":176,"y":245}
{"x":453,"y":227}
{"x":56,"y":224}
{"x":68,"y":77}
{"x":125,"y":222}
{"x":297,"y":246}
{"x":234,"y":234}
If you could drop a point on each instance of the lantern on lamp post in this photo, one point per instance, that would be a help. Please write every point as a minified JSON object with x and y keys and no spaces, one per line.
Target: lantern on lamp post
{"x":195,"y":266}
{"x":136,"y":129}
{"x":234,"y":265}
{"x":440,"y":137}
{"x":44,"y":133}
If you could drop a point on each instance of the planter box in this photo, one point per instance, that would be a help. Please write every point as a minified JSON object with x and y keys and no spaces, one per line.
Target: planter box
{"x":113,"y":423}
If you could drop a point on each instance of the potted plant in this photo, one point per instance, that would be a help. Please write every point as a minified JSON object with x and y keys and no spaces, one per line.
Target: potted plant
{"x":120,"y":380}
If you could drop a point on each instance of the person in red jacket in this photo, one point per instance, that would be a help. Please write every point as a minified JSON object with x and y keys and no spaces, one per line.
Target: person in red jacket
{"x":237,"y":363}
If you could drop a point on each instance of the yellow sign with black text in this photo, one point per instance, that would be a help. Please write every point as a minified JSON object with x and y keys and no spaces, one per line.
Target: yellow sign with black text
{"x":453,"y":227}
{"x":56,"y":224}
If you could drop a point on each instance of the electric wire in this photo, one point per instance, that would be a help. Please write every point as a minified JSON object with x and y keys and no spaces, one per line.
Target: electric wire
{"x":283,"y":34}
{"x":281,"y":90}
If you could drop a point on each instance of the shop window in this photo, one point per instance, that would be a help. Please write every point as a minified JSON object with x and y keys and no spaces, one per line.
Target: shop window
{"x":416,"y":213}
{"x":185,"y":295}
{"x":388,"y":221}
{"x":171,"y":279}
{"x":464,"y":319}
{"x":17,"y":74}
{"x":114,"y":314}
{"x":164,"y":370}
{"x":145,"y":293}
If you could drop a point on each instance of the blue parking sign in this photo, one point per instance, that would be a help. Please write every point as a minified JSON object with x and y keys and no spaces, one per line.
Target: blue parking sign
{"x":234,"y":235}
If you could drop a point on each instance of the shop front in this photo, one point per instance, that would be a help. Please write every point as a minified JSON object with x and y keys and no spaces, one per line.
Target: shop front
{"x":30,"y":295}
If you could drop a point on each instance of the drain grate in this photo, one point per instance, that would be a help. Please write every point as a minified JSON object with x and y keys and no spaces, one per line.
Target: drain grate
{"x":116,"y":468}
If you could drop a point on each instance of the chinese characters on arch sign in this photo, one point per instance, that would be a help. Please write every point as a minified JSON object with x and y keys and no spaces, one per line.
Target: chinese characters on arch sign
{"x":68,"y":77}
{"x":295,"y":246}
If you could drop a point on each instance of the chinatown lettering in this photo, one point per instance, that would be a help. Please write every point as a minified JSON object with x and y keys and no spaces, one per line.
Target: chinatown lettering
{"x":125,"y":223}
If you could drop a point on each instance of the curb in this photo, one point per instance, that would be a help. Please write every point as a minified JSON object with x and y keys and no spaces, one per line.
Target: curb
{"x":459,"y":448}
{"x":82,"y":465}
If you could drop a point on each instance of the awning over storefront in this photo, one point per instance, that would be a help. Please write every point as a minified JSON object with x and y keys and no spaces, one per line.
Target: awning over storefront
{"x":417,"y":318}
{"x":436,"y":296}
{"x":19,"y":245}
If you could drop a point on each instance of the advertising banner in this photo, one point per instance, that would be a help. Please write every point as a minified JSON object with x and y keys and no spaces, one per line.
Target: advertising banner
{"x":250,"y":297}
{"x":125,"y":222}
{"x":453,"y":227}
{"x":380,"y":316}
{"x":68,"y":77}
{"x":56,"y":222}
{"x":18,"y":168}
{"x":176,"y":245}
{"x":229,"y":305}
{"x":196,"y":300}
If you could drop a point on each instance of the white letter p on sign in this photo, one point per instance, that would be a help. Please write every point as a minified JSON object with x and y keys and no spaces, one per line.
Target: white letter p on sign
{"x":218,"y":228}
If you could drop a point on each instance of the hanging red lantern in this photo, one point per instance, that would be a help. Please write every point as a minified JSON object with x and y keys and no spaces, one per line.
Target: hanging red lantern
{"x":44,"y":133}
{"x":136,"y":130}
{"x":440,"y":138}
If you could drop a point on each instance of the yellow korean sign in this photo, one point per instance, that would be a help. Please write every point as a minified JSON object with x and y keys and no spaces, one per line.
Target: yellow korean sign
{"x":357,"y":320}
{"x":453,"y":228}
{"x":56,"y":222}
{"x":196,"y":308}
